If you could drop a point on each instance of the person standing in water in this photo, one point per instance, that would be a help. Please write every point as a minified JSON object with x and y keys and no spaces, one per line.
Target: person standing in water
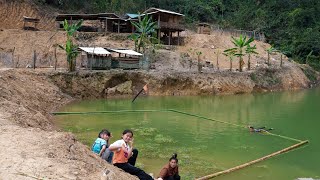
{"x":170,"y":171}
{"x":122,"y":152}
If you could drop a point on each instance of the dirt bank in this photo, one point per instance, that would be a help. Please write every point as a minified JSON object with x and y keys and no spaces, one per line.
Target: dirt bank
{"x":104,"y":84}
{"x":30,"y":147}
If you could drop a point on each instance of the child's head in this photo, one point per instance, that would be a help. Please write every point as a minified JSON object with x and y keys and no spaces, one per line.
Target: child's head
{"x":127,"y":135}
{"x":173,"y":161}
{"x":104,"y":134}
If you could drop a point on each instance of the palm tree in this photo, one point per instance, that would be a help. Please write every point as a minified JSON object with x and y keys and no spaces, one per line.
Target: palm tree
{"x":231,"y":54}
{"x":70,"y":48}
{"x":250,"y":50}
{"x":241,"y":44}
{"x":145,"y":33}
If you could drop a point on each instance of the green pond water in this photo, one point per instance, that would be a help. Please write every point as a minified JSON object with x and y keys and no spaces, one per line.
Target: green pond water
{"x":204,"y":146}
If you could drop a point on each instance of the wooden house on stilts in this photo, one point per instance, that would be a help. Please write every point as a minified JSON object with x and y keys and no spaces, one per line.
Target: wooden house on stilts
{"x":169,"y":24}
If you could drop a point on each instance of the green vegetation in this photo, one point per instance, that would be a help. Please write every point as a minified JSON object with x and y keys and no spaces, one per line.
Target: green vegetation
{"x":250,"y":50}
{"x":145,"y":33}
{"x":231,"y":54}
{"x":70,"y":48}
{"x":242,"y":47}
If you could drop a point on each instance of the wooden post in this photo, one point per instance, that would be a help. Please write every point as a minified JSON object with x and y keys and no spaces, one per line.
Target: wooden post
{"x":218,"y":52}
{"x":253,"y":162}
{"x":13,"y":56}
{"x":55,"y":57}
{"x":159,"y":31}
{"x":170,"y":34}
{"x":178,"y":38}
{"x":17,"y":63}
{"x":106,"y":25}
{"x":34,"y":59}
{"x":119,"y":26}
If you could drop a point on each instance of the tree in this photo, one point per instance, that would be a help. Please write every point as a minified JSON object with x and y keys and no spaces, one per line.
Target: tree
{"x":70,"y":48}
{"x":270,"y":50}
{"x":231,"y":54}
{"x":145,"y":33}
{"x":250,"y":50}
{"x":198,"y":53}
{"x":241,"y":45}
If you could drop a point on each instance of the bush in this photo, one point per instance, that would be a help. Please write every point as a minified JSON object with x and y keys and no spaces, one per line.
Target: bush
{"x":314,"y":62}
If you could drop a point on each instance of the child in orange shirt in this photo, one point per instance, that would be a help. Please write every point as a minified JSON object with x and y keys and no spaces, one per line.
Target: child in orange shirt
{"x":122,"y":152}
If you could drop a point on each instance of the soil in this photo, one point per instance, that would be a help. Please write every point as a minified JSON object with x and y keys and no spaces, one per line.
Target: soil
{"x":32,"y":147}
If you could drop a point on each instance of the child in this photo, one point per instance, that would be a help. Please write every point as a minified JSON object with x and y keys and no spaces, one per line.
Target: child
{"x":170,"y":171}
{"x":100,"y":146}
{"x":122,"y":152}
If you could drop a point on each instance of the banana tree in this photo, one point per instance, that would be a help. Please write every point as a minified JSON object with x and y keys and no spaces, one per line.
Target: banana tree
{"x":198,"y":53}
{"x":70,"y":48}
{"x":270,"y":51}
{"x":250,"y":50}
{"x":231,"y":54}
{"x":145,"y":33}
{"x":241,"y":44}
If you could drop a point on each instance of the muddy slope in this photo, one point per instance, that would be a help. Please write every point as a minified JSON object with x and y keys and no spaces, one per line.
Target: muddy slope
{"x":30,"y":147}
{"x":104,"y":84}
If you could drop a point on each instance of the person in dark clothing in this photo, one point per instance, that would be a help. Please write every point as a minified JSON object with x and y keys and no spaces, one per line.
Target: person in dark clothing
{"x":170,"y":171}
{"x":262,"y":129}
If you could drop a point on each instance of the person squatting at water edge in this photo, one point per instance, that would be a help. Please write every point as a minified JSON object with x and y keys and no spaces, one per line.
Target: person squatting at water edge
{"x":123,"y":149}
{"x":170,"y":171}
{"x":105,"y":153}
{"x":100,"y":145}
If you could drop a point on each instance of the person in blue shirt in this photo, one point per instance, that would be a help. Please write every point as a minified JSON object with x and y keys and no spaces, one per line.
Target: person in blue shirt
{"x":100,"y":145}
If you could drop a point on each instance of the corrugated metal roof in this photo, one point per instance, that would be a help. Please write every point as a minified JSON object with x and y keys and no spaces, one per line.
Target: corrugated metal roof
{"x":148,"y":11}
{"x":132,"y":16}
{"x":127,"y":51}
{"x":95,"y":50}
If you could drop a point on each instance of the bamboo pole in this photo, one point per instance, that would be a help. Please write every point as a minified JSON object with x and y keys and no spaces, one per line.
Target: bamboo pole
{"x":252,"y":162}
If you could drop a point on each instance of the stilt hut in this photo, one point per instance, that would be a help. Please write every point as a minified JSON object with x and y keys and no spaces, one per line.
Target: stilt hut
{"x":125,"y":58}
{"x":113,"y":23}
{"x":98,"y":58}
{"x":91,"y":21}
{"x":169,"y":23}
{"x":28,"y":20}
{"x":204,"y":28}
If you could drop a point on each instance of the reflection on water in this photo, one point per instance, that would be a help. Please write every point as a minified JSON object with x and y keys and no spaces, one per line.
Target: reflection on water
{"x":205,"y":147}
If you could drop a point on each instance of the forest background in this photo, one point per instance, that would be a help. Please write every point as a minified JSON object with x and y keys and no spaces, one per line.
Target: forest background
{"x":291,"y":26}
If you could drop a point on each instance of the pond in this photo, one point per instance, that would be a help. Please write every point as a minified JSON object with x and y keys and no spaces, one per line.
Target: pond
{"x":205,"y":146}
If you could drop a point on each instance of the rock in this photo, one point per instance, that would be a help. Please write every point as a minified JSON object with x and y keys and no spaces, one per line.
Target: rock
{"x":124,"y":88}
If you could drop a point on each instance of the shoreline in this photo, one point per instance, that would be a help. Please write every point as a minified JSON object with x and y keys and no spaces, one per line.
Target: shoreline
{"x":43,"y":151}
